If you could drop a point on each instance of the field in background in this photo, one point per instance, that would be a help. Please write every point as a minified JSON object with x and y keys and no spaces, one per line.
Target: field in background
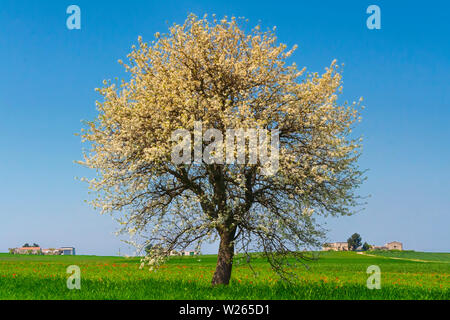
{"x":413,"y":255}
{"x":336,"y":275}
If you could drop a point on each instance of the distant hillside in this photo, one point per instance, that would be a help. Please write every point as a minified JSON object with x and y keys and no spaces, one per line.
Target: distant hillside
{"x":428,"y":256}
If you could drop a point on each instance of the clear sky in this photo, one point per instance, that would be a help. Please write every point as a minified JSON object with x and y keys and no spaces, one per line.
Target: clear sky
{"x":48,"y":74}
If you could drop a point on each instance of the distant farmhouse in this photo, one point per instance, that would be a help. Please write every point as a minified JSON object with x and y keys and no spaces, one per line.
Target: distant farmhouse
{"x":343,"y":246}
{"x":394,"y":245}
{"x":38,"y":250}
{"x":335,"y":246}
{"x":26,"y":250}
{"x":184,"y":253}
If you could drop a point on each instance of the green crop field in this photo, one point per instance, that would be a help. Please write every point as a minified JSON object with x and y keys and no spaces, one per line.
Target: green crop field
{"x":335,"y":275}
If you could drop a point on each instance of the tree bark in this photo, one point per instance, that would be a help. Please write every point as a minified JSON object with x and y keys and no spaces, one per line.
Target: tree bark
{"x":222,"y":274}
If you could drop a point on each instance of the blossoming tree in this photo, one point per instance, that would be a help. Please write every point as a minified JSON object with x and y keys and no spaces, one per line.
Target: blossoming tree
{"x":214,"y":72}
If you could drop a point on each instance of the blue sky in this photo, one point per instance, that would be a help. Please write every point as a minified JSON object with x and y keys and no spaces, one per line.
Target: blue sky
{"x":48,"y":75}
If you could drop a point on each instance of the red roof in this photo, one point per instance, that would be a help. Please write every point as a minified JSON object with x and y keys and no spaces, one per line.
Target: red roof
{"x":30,"y":248}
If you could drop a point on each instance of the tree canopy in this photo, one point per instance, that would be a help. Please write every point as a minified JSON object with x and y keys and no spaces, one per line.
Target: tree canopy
{"x":26,"y":245}
{"x":354,"y":241}
{"x":213,"y":72}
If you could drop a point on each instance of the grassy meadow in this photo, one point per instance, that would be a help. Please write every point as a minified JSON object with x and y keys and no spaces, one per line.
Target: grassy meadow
{"x":335,"y":275}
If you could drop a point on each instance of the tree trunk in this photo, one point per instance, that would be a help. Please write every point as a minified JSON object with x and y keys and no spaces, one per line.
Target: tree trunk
{"x":222,"y":274}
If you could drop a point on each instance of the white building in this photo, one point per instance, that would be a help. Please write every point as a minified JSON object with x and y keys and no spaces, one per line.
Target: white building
{"x":335,"y":246}
{"x":68,"y":251}
{"x":189,"y":253}
{"x":394,"y":245}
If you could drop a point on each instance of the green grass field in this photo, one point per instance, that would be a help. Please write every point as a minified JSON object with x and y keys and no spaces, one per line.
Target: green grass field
{"x":336,"y":275}
{"x":412,"y":255}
